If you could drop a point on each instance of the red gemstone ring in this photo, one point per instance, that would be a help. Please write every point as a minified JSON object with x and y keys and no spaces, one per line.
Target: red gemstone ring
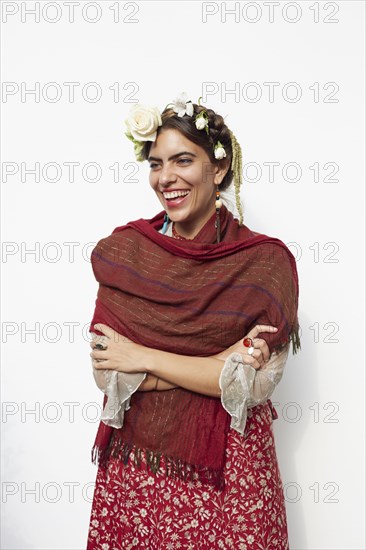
{"x":248,"y":342}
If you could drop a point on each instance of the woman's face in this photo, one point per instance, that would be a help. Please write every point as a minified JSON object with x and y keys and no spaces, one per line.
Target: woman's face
{"x":178,"y":164}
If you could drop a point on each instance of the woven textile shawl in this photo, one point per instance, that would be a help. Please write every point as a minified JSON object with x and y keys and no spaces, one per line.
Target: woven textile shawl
{"x":191,"y":297}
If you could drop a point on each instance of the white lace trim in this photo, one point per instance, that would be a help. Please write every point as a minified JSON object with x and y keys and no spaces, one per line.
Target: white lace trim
{"x":243,"y":387}
{"x":118,"y":387}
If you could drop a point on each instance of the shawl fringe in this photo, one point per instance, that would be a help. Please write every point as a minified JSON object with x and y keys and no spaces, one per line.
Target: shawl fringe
{"x":174,"y":467}
{"x":295,"y":340}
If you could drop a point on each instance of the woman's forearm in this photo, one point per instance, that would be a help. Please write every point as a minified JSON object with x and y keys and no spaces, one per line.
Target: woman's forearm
{"x":152,"y":382}
{"x":198,"y":374}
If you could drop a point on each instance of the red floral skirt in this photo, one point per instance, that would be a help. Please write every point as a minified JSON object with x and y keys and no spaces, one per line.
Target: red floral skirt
{"x":134,"y":509}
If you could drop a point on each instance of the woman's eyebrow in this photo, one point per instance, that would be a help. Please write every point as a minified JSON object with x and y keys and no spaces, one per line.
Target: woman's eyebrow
{"x":173,"y":157}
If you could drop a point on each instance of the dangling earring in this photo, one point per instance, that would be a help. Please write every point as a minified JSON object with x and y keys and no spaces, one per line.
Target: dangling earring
{"x":165,"y":225}
{"x":218,"y":204}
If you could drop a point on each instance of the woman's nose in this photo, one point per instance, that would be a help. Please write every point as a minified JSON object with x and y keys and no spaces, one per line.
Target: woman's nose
{"x":166,"y":174}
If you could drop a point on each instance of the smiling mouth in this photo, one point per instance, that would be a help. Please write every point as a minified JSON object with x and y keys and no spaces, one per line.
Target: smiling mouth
{"x":175,"y":197}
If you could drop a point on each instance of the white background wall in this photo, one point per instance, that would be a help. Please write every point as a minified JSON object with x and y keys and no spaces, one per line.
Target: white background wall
{"x":150,"y":53}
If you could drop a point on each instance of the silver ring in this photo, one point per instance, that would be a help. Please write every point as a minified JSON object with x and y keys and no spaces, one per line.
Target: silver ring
{"x":250,"y":350}
{"x":100,"y":347}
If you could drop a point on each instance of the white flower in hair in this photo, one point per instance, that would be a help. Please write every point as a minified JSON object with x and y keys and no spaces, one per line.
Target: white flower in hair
{"x":143,"y":122}
{"x":201,"y":120}
{"x":182,"y":106}
{"x":201,"y":123}
{"x":219,"y":152}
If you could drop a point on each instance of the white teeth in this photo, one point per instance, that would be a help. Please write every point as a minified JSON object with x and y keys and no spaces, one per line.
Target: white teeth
{"x":175,"y":194}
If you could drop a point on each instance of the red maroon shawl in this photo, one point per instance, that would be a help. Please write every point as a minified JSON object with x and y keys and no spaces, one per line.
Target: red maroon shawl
{"x":193,"y":298}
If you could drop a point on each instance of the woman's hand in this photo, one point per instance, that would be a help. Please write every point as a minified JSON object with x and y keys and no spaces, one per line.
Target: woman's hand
{"x":121,"y":353}
{"x":261,"y":351}
{"x":118,"y":356}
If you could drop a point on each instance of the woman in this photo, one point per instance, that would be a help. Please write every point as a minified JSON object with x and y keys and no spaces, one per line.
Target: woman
{"x":185,"y":447}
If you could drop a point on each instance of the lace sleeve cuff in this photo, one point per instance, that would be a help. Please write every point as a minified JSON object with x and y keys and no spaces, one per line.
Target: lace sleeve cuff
{"x":118,"y":387}
{"x":243,"y":387}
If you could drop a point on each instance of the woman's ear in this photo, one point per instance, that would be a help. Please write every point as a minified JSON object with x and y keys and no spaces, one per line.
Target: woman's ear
{"x":222,"y":168}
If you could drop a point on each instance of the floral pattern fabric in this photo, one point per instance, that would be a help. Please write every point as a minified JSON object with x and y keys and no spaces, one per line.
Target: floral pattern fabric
{"x":134,"y":509}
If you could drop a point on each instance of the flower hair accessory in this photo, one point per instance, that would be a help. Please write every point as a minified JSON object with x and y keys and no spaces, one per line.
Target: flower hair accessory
{"x":201,"y":121}
{"x":182,"y":106}
{"x":143,"y":122}
{"x":142,"y":125}
{"x":219,"y":151}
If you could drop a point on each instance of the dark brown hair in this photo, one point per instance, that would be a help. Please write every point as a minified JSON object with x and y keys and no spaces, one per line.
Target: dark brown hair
{"x":217,"y":131}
